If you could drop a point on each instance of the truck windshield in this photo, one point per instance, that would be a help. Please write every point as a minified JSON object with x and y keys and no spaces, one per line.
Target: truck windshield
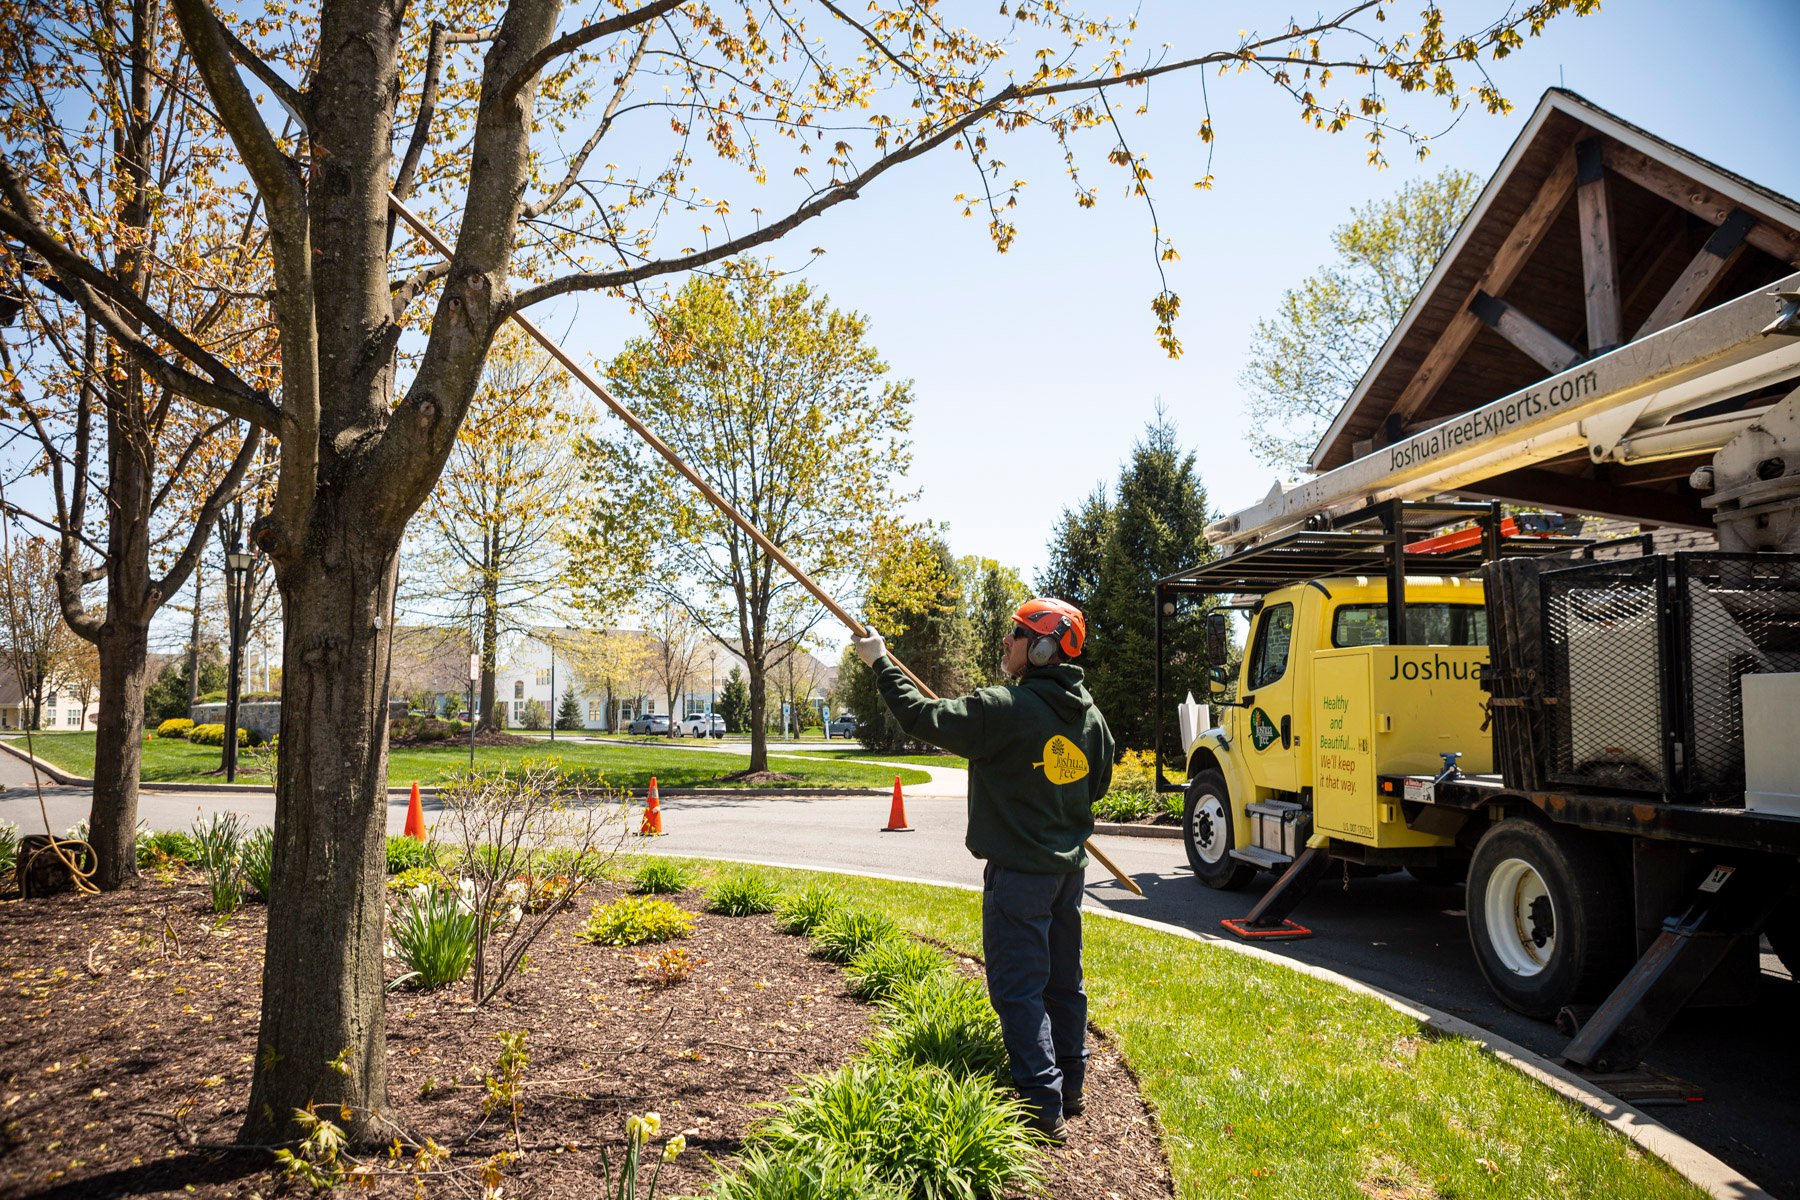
{"x":1426,"y":625}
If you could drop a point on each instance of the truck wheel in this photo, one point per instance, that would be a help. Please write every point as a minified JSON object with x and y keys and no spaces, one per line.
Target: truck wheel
{"x":1207,"y":831}
{"x":1548,"y":916}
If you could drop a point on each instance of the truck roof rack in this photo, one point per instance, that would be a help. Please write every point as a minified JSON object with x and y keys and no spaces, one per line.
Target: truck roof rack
{"x":1375,"y":541}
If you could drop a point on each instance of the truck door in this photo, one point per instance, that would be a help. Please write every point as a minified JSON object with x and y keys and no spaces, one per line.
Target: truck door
{"x":1268,"y":693}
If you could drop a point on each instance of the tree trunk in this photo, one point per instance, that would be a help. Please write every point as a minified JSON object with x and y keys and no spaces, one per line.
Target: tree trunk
{"x":759,"y":725}
{"x":490,"y":633}
{"x":118,"y":751}
{"x":194,"y":643}
{"x":323,"y":1024}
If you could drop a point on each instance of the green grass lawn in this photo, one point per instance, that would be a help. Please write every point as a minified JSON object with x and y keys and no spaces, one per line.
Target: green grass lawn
{"x":1274,"y":1085}
{"x":170,"y":760}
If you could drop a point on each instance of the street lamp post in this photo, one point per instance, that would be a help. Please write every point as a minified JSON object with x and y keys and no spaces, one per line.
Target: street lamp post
{"x":238,"y":563}
{"x":552,"y":644}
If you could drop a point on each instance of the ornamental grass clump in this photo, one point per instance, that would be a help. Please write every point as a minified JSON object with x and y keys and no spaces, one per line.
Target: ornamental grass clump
{"x":850,"y":931}
{"x":258,"y":859}
{"x":433,"y":931}
{"x":760,"y":1175}
{"x":660,"y":877}
{"x":165,"y":847}
{"x":404,"y":853}
{"x":743,"y":894}
{"x":634,"y":920}
{"x":933,"y":1135}
{"x":943,"y":1020}
{"x":218,"y":845}
{"x":805,"y":910}
{"x":887,"y":966}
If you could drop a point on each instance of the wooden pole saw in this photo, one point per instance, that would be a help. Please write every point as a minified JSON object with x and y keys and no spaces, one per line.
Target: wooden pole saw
{"x":589,"y":381}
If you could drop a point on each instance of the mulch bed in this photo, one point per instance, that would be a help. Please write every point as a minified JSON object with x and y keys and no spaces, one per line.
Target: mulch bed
{"x":763,"y":777}
{"x":446,"y":738}
{"x":128,"y":1027}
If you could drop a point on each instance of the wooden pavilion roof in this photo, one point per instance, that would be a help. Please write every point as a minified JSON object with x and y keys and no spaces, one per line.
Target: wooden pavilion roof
{"x":1592,"y":233}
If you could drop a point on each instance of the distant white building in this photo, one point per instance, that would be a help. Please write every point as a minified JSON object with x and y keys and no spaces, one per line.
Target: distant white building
{"x":615,"y":681}
{"x":65,"y":709}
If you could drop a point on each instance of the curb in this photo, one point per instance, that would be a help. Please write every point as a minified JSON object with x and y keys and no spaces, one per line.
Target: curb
{"x":1123,"y":829}
{"x":63,"y":779}
{"x":1700,"y":1168}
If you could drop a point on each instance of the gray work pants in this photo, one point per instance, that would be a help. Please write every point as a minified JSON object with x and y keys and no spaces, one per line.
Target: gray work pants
{"x":1031,"y":937}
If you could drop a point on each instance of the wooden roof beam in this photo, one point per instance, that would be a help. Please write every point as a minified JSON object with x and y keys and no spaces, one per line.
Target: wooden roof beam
{"x":1663,"y":180}
{"x":1543,"y":488}
{"x":1721,"y":250}
{"x":1526,"y":335}
{"x":1505,"y":266}
{"x":1599,"y":263}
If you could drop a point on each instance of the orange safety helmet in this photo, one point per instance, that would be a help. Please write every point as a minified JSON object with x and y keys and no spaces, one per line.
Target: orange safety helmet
{"x":1058,"y":625}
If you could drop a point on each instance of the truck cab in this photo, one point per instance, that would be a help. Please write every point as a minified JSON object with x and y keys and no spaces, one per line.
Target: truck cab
{"x":1322,"y":705}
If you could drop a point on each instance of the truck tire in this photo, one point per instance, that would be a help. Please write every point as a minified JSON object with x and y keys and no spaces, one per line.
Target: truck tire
{"x":1548,"y":915}
{"x":1209,"y":834}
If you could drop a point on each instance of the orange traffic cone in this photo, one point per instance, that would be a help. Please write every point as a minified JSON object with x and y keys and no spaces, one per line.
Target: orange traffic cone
{"x":897,"y":813}
{"x":652,"y":814}
{"x":415,"y":816}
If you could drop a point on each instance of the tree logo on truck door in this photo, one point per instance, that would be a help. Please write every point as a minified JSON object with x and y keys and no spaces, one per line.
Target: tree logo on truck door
{"x":1262,"y":730}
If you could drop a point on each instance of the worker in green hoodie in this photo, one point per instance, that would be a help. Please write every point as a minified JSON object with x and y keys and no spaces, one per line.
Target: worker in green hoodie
{"x":1039,"y":756}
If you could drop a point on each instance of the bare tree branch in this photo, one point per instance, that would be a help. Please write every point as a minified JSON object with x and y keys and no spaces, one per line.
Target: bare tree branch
{"x":580,"y":38}
{"x":222,"y":493}
{"x":214,"y":54}
{"x":555,"y":195}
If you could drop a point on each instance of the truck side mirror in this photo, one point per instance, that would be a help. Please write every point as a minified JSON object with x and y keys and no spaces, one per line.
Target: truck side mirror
{"x":1219,"y":678}
{"x":1218,"y":636}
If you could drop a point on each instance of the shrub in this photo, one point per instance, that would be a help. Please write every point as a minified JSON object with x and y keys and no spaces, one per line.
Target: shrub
{"x":214,"y":735}
{"x":217,"y":846}
{"x":743,"y":893}
{"x":258,"y":858}
{"x":944,"y":1021}
{"x":805,"y":910}
{"x":404,"y":853}
{"x":165,"y":847}
{"x":933,"y":1135}
{"x":174,"y":727}
{"x":850,"y":931}
{"x":9,"y":848}
{"x":760,"y":1175}
{"x":1126,"y":806}
{"x":433,"y":931}
{"x":659,"y":876}
{"x":888,"y":966}
{"x":634,"y":920}
{"x":413,"y":877}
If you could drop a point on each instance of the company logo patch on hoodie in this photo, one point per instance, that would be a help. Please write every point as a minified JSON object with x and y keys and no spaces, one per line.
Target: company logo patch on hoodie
{"x":1063,"y":761}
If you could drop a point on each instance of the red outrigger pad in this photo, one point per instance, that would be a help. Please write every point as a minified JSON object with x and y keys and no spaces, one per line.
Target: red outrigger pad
{"x":1286,"y":931}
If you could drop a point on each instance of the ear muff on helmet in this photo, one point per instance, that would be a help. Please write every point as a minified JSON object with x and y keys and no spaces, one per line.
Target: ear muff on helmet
{"x":1042,"y":650}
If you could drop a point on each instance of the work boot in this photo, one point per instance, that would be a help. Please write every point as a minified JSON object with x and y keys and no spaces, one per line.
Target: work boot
{"x":1073,"y":1106}
{"x":1051,"y":1125}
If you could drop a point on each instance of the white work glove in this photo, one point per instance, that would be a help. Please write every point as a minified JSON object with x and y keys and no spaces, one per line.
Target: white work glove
{"x":869,"y":648}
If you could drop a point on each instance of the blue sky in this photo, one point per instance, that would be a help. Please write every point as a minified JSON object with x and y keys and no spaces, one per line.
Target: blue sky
{"x":1036,"y":370}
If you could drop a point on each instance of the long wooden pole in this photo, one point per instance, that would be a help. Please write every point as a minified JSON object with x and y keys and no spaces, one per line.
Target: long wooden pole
{"x":593,"y":384}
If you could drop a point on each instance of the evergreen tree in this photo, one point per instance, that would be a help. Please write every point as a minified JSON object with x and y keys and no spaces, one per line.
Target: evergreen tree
{"x":1073,"y":572}
{"x":734,"y":702}
{"x":167,"y":697}
{"x":1158,"y":528}
{"x":568,"y":712}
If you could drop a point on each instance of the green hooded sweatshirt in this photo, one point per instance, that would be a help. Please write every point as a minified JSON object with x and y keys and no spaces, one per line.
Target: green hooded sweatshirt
{"x":1039,"y":756}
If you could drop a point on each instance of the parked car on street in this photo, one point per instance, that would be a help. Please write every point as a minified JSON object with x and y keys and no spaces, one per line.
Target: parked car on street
{"x":651,"y":723}
{"x":842,"y":726}
{"x":701,"y":725}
